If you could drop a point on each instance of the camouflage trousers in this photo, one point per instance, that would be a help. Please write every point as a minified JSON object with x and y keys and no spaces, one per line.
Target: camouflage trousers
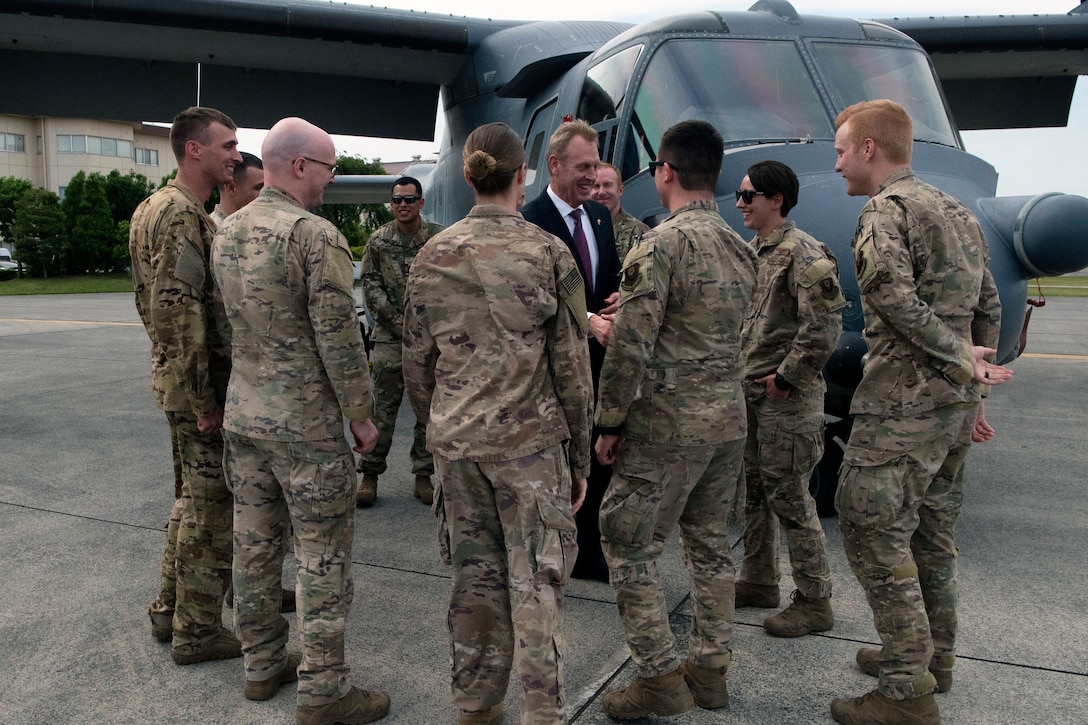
{"x":654,"y":488}
{"x":511,"y":543}
{"x":900,"y":493}
{"x":167,"y":598}
{"x":307,"y":489}
{"x":785,"y":442}
{"x":387,"y":377}
{"x":197,"y":557}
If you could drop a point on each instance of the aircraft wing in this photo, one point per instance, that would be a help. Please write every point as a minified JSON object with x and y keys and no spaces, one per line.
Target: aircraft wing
{"x":1010,"y":71}
{"x":348,"y":68}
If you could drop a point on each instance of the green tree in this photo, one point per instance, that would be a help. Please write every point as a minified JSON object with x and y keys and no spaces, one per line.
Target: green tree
{"x":89,"y":221}
{"x":357,"y":221}
{"x":94,"y":232}
{"x":39,"y":231}
{"x":11,"y":189}
{"x":125,"y":193}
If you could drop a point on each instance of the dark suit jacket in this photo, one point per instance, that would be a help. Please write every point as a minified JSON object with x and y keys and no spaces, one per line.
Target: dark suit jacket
{"x":542,"y":212}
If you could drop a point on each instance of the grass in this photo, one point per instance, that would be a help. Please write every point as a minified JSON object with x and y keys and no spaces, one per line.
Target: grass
{"x":1052,"y":286}
{"x":1060,"y":287}
{"x":77,"y":284}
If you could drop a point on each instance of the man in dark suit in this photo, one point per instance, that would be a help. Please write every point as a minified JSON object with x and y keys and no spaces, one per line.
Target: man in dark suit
{"x":565,"y":210}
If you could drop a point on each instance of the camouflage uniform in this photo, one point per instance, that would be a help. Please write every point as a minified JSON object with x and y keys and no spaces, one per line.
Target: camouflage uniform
{"x":672,"y":380}
{"x":388,"y":256}
{"x":169,"y":243}
{"x":495,"y":354}
{"x":920,"y":259}
{"x":791,"y":329}
{"x":299,"y":368}
{"x":627,"y":229}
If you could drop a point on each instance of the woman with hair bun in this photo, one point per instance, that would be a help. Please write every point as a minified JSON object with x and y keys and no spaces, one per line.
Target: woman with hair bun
{"x":495,"y":358}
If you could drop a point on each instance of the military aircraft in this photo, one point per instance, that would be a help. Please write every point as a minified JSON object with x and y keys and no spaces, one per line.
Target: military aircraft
{"x":770,"y":79}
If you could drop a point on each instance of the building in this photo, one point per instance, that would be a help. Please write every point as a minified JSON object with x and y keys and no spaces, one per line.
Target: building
{"x":49,"y":151}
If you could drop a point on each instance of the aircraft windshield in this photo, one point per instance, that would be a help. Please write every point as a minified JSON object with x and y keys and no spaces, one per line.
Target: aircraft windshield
{"x":749,"y":90}
{"x":864,"y":72}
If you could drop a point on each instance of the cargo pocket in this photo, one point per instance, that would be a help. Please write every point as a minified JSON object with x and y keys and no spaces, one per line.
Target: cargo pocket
{"x":871,"y":487}
{"x":630,"y":520}
{"x":556,"y":545}
{"x":438,"y":508}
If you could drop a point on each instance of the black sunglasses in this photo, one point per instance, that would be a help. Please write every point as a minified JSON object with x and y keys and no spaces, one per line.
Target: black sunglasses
{"x":748,"y":195}
{"x":655,"y":165}
{"x":410,"y":199}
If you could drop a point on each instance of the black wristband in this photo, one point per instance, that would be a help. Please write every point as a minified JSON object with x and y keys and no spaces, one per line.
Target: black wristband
{"x":781,"y":383}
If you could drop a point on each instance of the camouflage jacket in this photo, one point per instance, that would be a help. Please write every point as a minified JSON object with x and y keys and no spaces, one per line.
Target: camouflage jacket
{"x":627,"y":229}
{"x":386,"y":261}
{"x":287,"y":283}
{"x":920,"y":259}
{"x":795,"y":318}
{"x":495,"y":350}
{"x":169,"y":242}
{"x":672,"y":372}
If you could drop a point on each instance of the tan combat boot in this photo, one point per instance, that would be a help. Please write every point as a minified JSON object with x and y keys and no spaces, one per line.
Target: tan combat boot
{"x":267,"y":689}
{"x":666,"y":694}
{"x":424,"y":491}
{"x":355,"y":708}
{"x":368,"y":491}
{"x":490,"y":716}
{"x":162,"y":625}
{"x":764,"y":596}
{"x":803,"y":616}
{"x":707,"y":685}
{"x":869,"y":659}
{"x":223,"y":646}
{"x":874,"y":709}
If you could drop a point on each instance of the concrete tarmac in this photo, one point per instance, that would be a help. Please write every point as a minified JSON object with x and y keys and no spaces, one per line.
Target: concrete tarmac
{"x":86,"y":487}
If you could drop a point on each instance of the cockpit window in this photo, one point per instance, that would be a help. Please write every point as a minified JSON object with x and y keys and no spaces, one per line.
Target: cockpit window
{"x":753,"y":90}
{"x":606,"y":85}
{"x":864,"y":72}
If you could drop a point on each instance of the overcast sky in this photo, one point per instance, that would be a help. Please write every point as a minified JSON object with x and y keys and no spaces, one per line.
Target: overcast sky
{"x":1029,"y":161}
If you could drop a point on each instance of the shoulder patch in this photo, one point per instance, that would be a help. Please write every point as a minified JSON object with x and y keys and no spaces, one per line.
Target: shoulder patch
{"x":573,"y":293}
{"x":637,"y":277}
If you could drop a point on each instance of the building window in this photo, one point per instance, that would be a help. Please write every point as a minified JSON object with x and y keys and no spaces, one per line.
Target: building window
{"x":147,"y":157}
{"x":96,"y":145}
{"x":14,"y":142}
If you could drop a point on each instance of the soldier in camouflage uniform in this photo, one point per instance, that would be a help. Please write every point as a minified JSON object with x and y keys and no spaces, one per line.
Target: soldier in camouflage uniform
{"x":388,"y":256}
{"x":671,"y":385}
{"x":495,"y":355}
{"x":169,"y":244}
{"x":608,"y":190}
{"x":299,"y":369}
{"x":920,"y":259}
{"x":789,"y":332}
{"x":244,"y":186}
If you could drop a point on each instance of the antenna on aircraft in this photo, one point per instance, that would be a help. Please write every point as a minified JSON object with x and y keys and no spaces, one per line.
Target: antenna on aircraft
{"x":781,"y":8}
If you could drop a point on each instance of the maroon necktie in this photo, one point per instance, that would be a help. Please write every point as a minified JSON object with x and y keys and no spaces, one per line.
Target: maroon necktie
{"x":583,"y":248}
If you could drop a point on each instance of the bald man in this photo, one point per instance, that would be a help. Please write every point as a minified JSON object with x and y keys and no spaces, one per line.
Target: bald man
{"x":299,"y":369}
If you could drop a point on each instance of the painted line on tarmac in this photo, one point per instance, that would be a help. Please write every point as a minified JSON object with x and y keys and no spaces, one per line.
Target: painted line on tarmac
{"x":74,"y":322}
{"x":1054,"y":356}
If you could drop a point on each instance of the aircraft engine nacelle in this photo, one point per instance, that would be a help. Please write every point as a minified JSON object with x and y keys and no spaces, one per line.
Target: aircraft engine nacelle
{"x":1047,"y":232}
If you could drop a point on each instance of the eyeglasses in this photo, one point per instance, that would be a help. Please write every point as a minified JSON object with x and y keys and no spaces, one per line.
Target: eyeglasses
{"x":655,"y":165}
{"x":333,"y":168}
{"x":409,"y":199}
{"x":749,"y":194}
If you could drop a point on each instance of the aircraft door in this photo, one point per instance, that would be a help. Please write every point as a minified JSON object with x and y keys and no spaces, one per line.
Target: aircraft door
{"x":536,"y":147}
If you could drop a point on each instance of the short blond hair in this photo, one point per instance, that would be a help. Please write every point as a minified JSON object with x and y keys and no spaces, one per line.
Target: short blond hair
{"x":885,"y":122}
{"x":557,"y":144}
